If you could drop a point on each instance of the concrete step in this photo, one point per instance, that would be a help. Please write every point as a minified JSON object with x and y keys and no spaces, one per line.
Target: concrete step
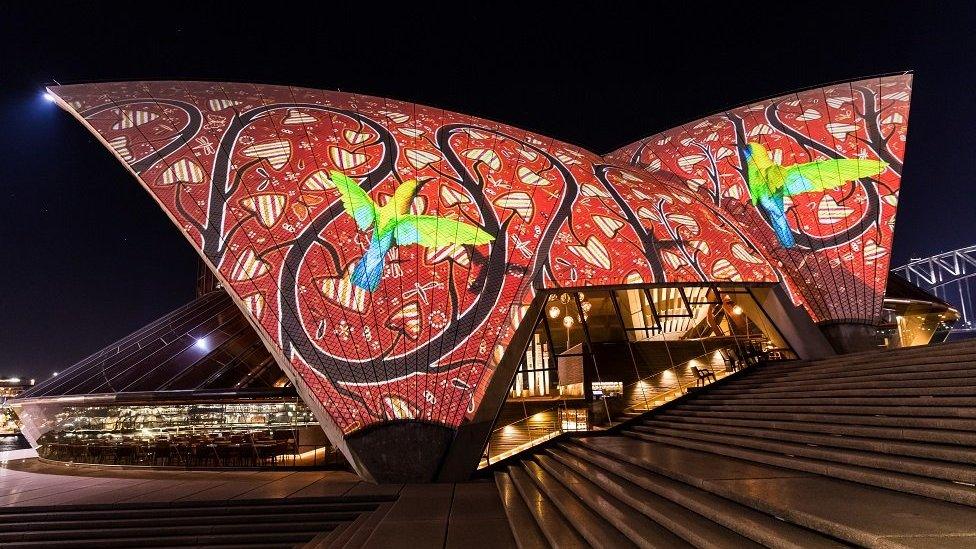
{"x":914,"y":379}
{"x":823,"y":425}
{"x":779,"y":371}
{"x":944,"y":349}
{"x":842,"y":409}
{"x":908,"y":401}
{"x":691,"y":526}
{"x":58,"y":523}
{"x":953,"y":472}
{"x":335,"y":537}
{"x":855,"y":513}
{"x":524,"y":528}
{"x":897,"y":421}
{"x":597,"y":531}
{"x":627,"y":519}
{"x":745,"y":521}
{"x":919,"y":356}
{"x":913,"y":484}
{"x":163,"y":531}
{"x":135,"y":511}
{"x":551,"y":522}
{"x":940,"y":452}
{"x":947,"y":377}
{"x":282,"y":522}
{"x":360,"y":530}
{"x":841,"y":391}
{"x":280,"y":539}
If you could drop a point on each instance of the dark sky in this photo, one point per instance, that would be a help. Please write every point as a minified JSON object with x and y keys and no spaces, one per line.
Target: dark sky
{"x":88,"y":257}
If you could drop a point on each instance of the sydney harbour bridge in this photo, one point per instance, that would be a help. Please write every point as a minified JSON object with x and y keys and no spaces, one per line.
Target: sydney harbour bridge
{"x":951,"y":276}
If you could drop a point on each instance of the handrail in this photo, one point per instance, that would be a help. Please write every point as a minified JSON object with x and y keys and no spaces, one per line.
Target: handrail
{"x":549,"y":423}
{"x":673,"y":369}
{"x":540,"y":427}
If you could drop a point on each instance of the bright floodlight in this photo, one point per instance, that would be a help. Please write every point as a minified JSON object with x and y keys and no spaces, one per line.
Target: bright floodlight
{"x":202,"y":343}
{"x":49,"y":97}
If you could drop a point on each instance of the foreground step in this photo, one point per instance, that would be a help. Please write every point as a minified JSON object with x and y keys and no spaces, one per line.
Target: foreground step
{"x":687,"y":524}
{"x":161,"y":532}
{"x":557,"y":531}
{"x":58,"y":523}
{"x":267,"y":523}
{"x":592,"y":526}
{"x":890,"y":449}
{"x":825,"y":424}
{"x":283,"y":539}
{"x":912,"y":484}
{"x":852,"y":512}
{"x":953,"y":472}
{"x":954,"y":378}
{"x":523,"y":525}
{"x":814,"y":407}
{"x":895,"y":420}
{"x":722,"y":512}
{"x":628,"y":520}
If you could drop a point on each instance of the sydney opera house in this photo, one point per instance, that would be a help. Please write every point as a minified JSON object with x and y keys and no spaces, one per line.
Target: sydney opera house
{"x":415,"y":293}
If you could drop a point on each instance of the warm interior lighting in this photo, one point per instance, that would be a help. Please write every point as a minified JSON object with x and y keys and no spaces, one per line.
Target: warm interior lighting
{"x":554,"y":312}
{"x":568,"y":321}
{"x":737,"y":310}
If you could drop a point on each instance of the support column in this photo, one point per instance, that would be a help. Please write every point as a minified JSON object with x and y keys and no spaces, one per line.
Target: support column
{"x":850,"y":337}
{"x":471,"y":438}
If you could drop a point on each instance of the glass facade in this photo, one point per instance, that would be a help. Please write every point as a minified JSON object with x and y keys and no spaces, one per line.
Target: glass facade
{"x":596,"y":355}
{"x":206,"y":345}
{"x":192,"y":434}
{"x":195,"y":388}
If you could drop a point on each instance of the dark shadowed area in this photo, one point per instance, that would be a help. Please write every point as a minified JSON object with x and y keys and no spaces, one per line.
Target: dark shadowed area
{"x":88,"y":257}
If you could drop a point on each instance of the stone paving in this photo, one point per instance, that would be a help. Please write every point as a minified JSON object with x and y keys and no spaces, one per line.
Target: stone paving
{"x":434,"y":515}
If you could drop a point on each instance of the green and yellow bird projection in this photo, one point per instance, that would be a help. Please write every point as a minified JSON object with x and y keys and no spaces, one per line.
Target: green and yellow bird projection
{"x":393,"y":225}
{"x":770,"y":182}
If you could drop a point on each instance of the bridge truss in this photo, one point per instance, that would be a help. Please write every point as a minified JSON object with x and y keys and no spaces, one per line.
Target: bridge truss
{"x":951,"y":276}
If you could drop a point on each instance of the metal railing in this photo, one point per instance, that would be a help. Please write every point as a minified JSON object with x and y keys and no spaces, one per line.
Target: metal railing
{"x":643,"y":395}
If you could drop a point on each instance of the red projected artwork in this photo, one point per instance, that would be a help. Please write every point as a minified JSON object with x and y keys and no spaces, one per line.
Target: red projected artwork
{"x":387,"y":251}
{"x":811,"y":179}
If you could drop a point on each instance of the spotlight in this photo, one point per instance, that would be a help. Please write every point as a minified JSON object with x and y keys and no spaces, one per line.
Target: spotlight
{"x":202,"y":343}
{"x":49,"y":97}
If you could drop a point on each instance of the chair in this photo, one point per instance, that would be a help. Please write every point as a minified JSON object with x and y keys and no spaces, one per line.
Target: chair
{"x":265,"y":452}
{"x":702,"y":375}
{"x":731,"y":365}
{"x":162,"y":451}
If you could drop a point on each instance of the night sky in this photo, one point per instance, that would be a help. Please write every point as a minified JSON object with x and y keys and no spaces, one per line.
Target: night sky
{"x":88,"y":257}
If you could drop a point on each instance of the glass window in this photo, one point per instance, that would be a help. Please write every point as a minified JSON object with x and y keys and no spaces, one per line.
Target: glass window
{"x":536,"y":374}
{"x":638,"y":316}
{"x":601,"y":317}
{"x":563,"y":317}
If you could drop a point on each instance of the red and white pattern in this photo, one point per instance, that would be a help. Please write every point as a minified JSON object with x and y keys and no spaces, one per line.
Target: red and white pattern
{"x":425,"y":343}
{"x":839,"y":269}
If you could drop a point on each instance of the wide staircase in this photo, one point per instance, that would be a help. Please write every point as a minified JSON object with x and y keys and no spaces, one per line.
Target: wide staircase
{"x":874,"y":449}
{"x":272,"y":523}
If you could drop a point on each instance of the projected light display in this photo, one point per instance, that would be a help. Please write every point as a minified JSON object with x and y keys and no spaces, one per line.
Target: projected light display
{"x":811,"y":179}
{"x":387,"y":251}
